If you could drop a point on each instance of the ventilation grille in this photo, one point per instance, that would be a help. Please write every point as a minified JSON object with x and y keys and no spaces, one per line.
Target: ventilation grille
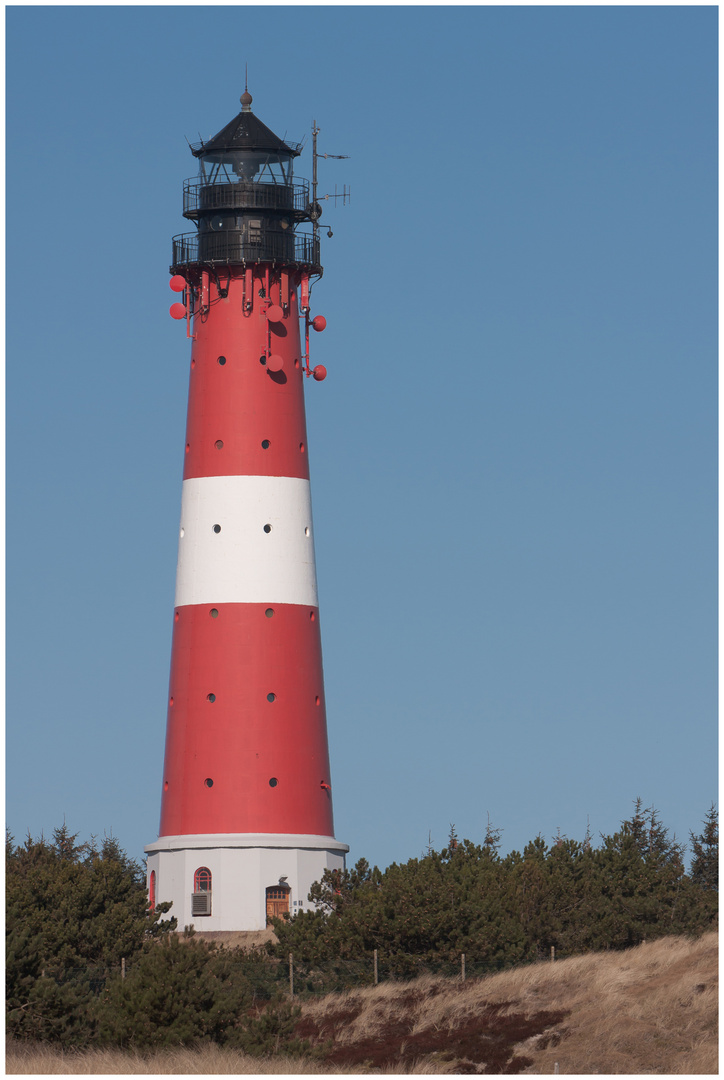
{"x":201,"y":903}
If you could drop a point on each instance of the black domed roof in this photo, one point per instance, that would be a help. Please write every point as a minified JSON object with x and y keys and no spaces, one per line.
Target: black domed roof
{"x":246,"y":132}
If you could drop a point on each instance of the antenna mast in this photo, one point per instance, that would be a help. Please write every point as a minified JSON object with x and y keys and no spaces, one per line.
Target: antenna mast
{"x":315,"y":209}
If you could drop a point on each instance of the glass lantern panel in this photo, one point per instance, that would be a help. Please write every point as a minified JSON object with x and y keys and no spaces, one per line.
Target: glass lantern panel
{"x":258,"y":166}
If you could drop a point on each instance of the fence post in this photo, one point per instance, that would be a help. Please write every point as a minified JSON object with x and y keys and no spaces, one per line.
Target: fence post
{"x":291,"y":975}
{"x":123,"y":967}
{"x":462,"y":967}
{"x":376,"y":976}
{"x":553,"y":952}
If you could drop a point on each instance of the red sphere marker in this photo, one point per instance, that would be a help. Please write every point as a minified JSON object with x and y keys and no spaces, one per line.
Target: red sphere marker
{"x":274,"y":313}
{"x":274,"y":362}
{"x":319,"y":372}
{"x":319,"y":323}
{"x":177,"y":283}
{"x":177,"y":311}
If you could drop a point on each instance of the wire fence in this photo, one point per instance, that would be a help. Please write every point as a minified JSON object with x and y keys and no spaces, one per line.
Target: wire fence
{"x":273,"y":976}
{"x":305,"y":979}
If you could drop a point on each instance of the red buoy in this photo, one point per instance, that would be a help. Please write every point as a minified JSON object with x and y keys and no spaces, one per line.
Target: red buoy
{"x":319,"y":372}
{"x":177,"y":283}
{"x":274,"y":313}
{"x":177,"y":311}
{"x":274,"y":363}
{"x":319,"y":323}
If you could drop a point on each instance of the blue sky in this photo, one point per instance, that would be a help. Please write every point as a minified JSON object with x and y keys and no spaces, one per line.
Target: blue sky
{"x":513,"y":456}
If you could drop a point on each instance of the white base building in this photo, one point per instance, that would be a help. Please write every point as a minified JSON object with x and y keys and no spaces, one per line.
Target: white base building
{"x":238,"y":881}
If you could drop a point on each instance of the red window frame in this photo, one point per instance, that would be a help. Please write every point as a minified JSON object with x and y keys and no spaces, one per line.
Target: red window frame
{"x":202,"y":879}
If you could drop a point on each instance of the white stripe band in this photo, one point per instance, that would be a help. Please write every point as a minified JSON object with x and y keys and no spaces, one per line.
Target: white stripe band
{"x":246,"y":540}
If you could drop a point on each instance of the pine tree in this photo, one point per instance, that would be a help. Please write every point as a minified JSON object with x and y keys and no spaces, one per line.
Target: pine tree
{"x":705,"y":850}
{"x":180,"y":991}
{"x":73,"y":912}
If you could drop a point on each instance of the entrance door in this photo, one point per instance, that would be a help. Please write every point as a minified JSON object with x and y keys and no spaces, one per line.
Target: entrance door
{"x":277,"y":902}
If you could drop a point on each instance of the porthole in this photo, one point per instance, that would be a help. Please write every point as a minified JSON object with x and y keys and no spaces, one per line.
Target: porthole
{"x":296,"y":363}
{"x":301,"y":447}
{"x":271,"y":697}
{"x":170,"y":701}
{"x":214,"y":613}
{"x":217,"y":529}
{"x":221,"y":360}
{"x":181,"y":533}
{"x":219,"y":444}
{"x":316,"y":700}
{"x":265,"y":444}
{"x":165,"y":785}
{"x":306,"y":531}
{"x":269,"y":612}
{"x":273,"y":782}
{"x":312,"y":616}
{"x":262,"y":359}
{"x":176,"y":616}
{"x":193,"y":364}
{"x":212,"y":698}
{"x":188,"y":447}
{"x":209,"y":782}
{"x":267,"y":528}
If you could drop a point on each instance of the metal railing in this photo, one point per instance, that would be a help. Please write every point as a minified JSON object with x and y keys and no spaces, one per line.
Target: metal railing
{"x":282,"y":246}
{"x":244,"y":195}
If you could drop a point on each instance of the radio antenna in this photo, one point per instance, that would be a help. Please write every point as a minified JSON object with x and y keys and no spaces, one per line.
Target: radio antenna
{"x":315,"y":210}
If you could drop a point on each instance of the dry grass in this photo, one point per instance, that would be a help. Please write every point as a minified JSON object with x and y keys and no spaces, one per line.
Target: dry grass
{"x":650,"y":1010}
{"x":209,"y":1061}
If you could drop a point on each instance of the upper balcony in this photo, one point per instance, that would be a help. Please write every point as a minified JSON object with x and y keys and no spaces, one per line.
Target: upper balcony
{"x":285,"y":248}
{"x":245,"y":195}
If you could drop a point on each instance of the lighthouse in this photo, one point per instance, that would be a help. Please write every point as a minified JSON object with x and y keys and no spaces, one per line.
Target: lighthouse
{"x":246,"y":804}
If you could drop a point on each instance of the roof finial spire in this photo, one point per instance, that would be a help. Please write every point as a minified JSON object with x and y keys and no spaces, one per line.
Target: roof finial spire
{"x":246,"y":98}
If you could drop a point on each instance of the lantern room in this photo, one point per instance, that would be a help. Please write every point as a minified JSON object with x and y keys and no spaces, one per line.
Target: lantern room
{"x":244,"y":202}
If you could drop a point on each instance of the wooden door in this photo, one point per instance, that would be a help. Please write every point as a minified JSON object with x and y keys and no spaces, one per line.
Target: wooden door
{"x":277,"y":902}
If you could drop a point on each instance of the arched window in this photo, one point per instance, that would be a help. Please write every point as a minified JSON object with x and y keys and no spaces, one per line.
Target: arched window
{"x":201,"y":896}
{"x":202,"y":879}
{"x":152,"y":891}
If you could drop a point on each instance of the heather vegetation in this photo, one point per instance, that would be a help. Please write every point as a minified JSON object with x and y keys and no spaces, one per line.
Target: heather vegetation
{"x":89,"y":966}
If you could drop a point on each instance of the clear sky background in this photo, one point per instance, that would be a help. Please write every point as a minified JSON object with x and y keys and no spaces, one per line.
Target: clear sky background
{"x":513,"y":456}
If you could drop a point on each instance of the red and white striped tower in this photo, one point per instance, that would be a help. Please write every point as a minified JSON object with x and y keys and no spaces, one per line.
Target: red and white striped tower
{"x":246,"y":810}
